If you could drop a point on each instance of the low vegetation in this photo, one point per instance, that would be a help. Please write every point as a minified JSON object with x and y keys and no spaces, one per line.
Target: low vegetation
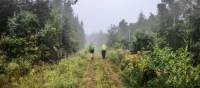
{"x":67,"y":73}
{"x":159,"y":68}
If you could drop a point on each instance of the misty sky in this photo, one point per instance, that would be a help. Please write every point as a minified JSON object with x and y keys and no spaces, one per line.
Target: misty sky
{"x":100,"y":14}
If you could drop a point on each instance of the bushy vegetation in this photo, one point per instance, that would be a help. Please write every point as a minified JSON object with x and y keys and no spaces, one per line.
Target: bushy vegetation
{"x":35,"y":32}
{"x":67,"y":73}
{"x":176,"y":24}
{"x":174,"y":62}
{"x":42,"y":30}
{"x":162,"y":67}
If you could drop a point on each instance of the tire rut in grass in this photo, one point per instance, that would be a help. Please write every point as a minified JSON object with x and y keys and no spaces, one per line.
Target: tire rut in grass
{"x":116,"y":82}
{"x":99,"y":74}
{"x":88,"y":80}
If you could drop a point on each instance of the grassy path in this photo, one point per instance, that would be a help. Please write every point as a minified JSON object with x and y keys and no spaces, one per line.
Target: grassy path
{"x":99,"y":74}
{"x":90,"y":76}
{"x":73,"y":72}
{"x":112,"y":75}
{"x":89,"y":81}
{"x":104,"y":75}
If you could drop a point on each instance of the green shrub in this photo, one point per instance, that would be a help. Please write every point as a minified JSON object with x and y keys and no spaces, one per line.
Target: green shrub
{"x":142,"y":41}
{"x":21,"y":41}
{"x":163,"y":68}
{"x":116,"y":57}
{"x":12,"y":66}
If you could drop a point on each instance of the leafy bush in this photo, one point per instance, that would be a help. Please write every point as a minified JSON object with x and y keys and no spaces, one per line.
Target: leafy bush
{"x":18,"y":47}
{"x":116,"y":57}
{"x":142,"y":41}
{"x":24,"y":24}
{"x":163,"y":68}
{"x":21,"y":40}
{"x":48,"y":42}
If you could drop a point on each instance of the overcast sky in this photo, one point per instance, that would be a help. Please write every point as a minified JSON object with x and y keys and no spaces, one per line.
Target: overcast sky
{"x":100,"y":14}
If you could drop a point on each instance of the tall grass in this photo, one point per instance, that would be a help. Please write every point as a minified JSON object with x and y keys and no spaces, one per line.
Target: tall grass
{"x":66,"y":74}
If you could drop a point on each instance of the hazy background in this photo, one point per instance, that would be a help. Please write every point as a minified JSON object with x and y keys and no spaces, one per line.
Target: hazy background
{"x":100,"y":14}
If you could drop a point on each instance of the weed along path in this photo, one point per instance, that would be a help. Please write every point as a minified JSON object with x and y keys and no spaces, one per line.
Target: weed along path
{"x":99,"y":74}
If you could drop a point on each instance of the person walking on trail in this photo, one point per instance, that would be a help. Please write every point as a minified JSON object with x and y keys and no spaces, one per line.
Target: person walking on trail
{"x":91,"y":50}
{"x":103,"y":51}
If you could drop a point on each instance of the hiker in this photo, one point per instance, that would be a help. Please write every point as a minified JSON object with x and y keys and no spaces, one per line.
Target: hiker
{"x":91,"y":50}
{"x":103,"y":51}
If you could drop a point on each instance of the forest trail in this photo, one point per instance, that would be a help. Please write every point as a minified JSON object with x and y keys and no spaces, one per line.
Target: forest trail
{"x":99,"y":74}
{"x":90,"y":81}
{"x":111,"y":74}
{"x":74,"y":72}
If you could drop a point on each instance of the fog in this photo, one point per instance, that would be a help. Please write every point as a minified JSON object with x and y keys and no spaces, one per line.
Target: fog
{"x":100,"y":14}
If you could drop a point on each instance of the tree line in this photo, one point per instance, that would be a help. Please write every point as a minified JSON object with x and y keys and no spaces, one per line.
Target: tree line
{"x":39,"y":29}
{"x":34,"y":32}
{"x":175,"y":26}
